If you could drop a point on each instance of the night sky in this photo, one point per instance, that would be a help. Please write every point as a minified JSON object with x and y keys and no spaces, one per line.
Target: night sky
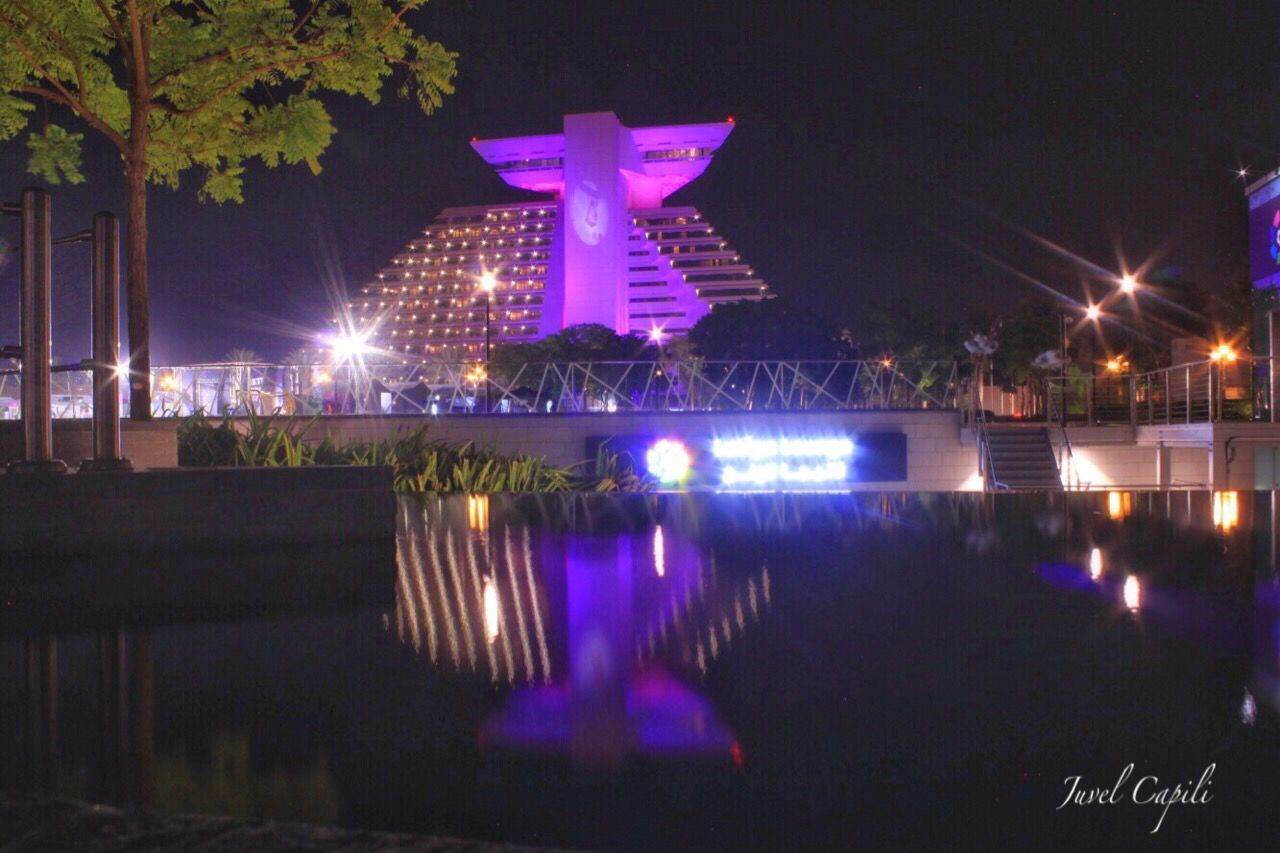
{"x":878,"y":152}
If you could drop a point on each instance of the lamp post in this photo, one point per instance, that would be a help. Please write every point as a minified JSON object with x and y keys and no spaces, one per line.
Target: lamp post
{"x":488,"y":282}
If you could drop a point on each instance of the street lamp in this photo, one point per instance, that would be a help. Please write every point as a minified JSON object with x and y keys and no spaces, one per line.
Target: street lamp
{"x":1128,"y":284}
{"x":488,"y":283}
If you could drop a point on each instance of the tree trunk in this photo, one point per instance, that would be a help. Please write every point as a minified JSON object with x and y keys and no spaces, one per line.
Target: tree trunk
{"x":136,"y":291}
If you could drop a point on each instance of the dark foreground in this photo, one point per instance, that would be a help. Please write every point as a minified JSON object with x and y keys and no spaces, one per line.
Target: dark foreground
{"x":692,"y":672}
{"x":28,"y":823}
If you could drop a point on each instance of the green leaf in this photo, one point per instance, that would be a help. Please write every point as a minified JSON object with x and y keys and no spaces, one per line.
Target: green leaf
{"x":55,"y":155}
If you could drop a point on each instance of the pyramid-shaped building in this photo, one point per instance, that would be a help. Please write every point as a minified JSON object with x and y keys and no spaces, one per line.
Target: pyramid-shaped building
{"x":600,"y":246}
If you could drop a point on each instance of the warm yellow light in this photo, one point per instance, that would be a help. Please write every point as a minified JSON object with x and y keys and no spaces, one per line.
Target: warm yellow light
{"x":488,"y":281}
{"x":321,"y":377}
{"x":1226,"y":510}
{"x":169,"y":382}
{"x":478,"y":513}
{"x":492,"y":612}
{"x":1119,"y":504}
{"x":1132,"y":593}
{"x":1114,"y":365}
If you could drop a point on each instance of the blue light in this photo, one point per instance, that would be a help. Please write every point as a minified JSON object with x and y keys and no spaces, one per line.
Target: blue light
{"x":668,"y":460}
{"x":762,"y":461}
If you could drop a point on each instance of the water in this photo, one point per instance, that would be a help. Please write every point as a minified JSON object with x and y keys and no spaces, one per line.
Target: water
{"x":701,"y":671}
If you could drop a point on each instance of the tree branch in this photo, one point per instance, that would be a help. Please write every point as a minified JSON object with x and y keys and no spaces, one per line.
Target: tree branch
{"x":62,"y":46}
{"x":114,"y":24}
{"x":62,"y":95}
{"x":290,"y":63}
{"x":97,"y":124}
{"x":302,"y":22}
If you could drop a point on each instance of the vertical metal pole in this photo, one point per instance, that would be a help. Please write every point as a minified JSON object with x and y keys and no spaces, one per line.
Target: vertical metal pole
{"x":1187,"y":376}
{"x":1168,"y":400}
{"x":1273,"y":379}
{"x":487,"y":296}
{"x":36,"y":330}
{"x":107,"y":455}
{"x":1133,"y":400}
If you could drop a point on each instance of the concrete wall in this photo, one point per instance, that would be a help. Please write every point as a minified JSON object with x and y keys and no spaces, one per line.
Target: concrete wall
{"x":937,"y":459}
{"x":151,"y":444}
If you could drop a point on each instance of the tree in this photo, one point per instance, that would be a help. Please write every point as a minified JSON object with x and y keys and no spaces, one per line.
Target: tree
{"x":766,"y":330}
{"x":908,"y":330}
{"x":175,"y":85}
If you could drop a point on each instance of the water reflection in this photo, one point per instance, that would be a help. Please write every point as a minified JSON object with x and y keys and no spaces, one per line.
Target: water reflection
{"x":1132,"y":593}
{"x":900,"y":651}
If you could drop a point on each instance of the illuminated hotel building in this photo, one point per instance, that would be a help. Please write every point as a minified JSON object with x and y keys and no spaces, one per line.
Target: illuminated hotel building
{"x":600,"y":246}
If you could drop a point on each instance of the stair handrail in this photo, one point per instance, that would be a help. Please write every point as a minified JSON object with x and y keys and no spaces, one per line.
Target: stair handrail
{"x":1062,"y":440}
{"x":978,"y":418}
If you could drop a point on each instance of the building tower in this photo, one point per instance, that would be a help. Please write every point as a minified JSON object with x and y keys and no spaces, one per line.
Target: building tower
{"x":599,"y":246}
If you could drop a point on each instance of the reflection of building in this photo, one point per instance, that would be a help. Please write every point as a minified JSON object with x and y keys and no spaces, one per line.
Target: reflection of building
{"x":1264,"y":263}
{"x":601,"y":246}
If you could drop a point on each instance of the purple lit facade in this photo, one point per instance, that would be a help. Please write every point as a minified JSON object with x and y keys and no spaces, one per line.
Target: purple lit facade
{"x":600,"y":246}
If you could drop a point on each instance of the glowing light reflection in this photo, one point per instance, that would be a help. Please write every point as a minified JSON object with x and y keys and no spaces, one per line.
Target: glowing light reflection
{"x":1132,"y":592}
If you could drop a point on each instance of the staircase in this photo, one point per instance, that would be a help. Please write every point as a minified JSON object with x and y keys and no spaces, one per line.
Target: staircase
{"x":1020,"y":458}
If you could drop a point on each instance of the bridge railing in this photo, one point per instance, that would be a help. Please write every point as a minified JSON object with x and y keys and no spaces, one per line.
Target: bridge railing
{"x":1194,"y":393}
{"x":536,"y":387}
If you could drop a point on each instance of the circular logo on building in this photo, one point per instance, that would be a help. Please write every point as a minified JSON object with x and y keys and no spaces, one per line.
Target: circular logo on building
{"x":1275,"y":237}
{"x":589,"y":213}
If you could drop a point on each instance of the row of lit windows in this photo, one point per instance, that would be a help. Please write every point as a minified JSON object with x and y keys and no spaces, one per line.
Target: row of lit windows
{"x":679,"y":153}
{"x":469,"y":316}
{"x":457,"y":260}
{"x":471,"y":333}
{"x":516,"y":286}
{"x":535,"y":269}
{"x":706,"y":262}
{"x":514,"y":299}
{"x":719,"y":276}
{"x":733,"y":291}
{"x":679,"y":249}
{"x":446,"y":330}
{"x":666,"y":220}
{"x":532,"y":163}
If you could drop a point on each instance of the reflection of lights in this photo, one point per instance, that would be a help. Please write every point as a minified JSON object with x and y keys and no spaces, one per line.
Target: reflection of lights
{"x":759,"y":461}
{"x":491,"y":612}
{"x":1132,"y":592}
{"x":1119,"y":504}
{"x":1226,"y":510}
{"x":1248,"y":709}
{"x":1095,"y":563}
{"x":668,"y":460}
{"x":659,"y":552}
{"x":478,"y":512}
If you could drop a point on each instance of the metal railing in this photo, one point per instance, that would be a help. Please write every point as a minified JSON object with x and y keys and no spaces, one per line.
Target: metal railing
{"x":1195,"y":393}
{"x":535,"y":387}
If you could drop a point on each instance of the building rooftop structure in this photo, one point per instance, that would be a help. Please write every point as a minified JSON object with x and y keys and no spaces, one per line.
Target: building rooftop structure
{"x":600,"y":246}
